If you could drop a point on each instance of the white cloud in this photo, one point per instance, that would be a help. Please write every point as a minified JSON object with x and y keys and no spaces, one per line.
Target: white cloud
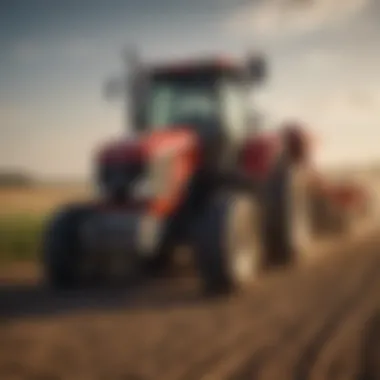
{"x":269,"y":18}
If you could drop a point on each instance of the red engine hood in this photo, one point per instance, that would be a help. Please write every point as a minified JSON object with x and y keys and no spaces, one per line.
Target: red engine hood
{"x":129,"y":149}
{"x":119,"y":151}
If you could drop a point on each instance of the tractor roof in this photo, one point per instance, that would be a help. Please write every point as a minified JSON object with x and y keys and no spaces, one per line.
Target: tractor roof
{"x":201,"y":65}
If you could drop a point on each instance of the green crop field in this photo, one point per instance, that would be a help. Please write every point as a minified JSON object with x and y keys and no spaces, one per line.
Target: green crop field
{"x":20,"y":236}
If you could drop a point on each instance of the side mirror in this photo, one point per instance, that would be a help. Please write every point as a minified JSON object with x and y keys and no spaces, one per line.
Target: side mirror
{"x":257,"y":68}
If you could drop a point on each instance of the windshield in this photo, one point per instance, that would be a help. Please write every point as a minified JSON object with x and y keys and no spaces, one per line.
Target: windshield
{"x":175,"y":102}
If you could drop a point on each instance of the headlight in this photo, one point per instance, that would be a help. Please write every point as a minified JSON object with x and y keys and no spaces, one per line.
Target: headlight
{"x":109,"y":183}
{"x":122,"y":182}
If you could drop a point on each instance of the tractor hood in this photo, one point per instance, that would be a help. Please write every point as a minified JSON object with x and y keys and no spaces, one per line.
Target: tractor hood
{"x":120,"y":151}
{"x":166,"y":140}
{"x":159,"y":162}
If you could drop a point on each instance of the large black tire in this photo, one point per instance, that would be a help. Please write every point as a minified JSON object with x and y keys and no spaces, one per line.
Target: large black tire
{"x":227,"y":244}
{"x":62,"y":251}
{"x":287,"y":212}
{"x":162,"y":263}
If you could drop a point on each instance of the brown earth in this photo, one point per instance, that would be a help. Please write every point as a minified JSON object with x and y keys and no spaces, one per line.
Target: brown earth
{"x":319,"y":322}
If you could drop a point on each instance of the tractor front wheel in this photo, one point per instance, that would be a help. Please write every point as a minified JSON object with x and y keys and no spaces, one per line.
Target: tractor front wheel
{"x":62,"y":250}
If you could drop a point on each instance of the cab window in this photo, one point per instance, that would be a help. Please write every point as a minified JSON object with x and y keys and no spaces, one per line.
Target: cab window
{"x":175,"y":102}
{"x":234,"y":108}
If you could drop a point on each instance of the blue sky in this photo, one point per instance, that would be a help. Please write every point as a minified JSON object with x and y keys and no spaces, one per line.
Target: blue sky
{"x":56,"y":55}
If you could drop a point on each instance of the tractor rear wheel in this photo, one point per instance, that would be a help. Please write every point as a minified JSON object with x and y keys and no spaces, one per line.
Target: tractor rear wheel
{"x":227,"y":244}
{"x":62,"y":251}
{"x":287,"y":215}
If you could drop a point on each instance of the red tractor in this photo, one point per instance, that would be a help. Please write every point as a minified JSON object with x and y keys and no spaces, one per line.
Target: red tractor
{"x":197,"y":172}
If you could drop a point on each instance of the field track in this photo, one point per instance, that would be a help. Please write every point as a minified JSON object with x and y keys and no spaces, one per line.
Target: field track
{"x":320,"y":322}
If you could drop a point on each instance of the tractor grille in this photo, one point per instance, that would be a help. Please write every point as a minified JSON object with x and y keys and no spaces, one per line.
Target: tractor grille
{"x":117,"y":179}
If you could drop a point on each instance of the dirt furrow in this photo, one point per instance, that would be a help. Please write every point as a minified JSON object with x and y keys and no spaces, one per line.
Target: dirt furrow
{"x":348,"y":354}
{"x":370,"y":349}
{"x":314,"y":348}
{"x":295,"y":357}
{"x":304,"y":320}
{"x":305,"y":309}
{"x":248,"y":335}
{"x":234,"y":349}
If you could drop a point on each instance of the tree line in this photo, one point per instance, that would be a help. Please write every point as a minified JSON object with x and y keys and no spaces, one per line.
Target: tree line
{"x":10,"y":179}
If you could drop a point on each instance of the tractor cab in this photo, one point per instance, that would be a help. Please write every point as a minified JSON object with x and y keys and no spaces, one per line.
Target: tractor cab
{"x":210,"y":96}
{"x":204,"y":102}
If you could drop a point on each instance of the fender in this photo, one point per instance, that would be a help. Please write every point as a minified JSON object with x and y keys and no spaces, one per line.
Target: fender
{"x":161,"y":142}
{"x":260,"y":153}
{"x":119,"y":151}
{"x":299,"y":142}
{"x":171,"y":155}
{"x":174,"y":155}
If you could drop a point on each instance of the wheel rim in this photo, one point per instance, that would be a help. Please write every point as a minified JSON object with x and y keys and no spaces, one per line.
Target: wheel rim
{"x":243,"y":264}
{"x":301,"y":232}
{"x":301,"y":236}
{"x":242,"y":244}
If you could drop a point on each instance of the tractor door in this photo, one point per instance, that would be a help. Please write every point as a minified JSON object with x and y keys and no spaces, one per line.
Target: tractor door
{"x":235,"y":115}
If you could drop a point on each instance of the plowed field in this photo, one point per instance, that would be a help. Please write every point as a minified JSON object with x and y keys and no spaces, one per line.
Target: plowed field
{"x":321,"y":321}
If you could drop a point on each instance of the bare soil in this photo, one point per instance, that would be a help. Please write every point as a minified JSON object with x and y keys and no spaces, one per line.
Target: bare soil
{"x":321,"y":321}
